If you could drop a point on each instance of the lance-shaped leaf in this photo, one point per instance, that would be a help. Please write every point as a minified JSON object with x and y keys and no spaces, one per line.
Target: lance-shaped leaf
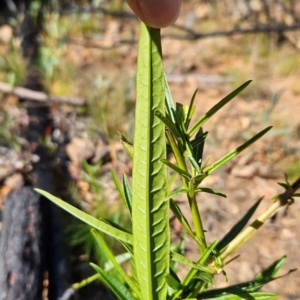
{"x":127,"y":193}
{"x":236,"y":229}
{"x":179,"y":215}
{"x":102,"y":244}
{"x":150,"y":210}
{"x":210,"y":191}
{"x":119,"y":289}
{"x":240,"y":296}
{"x":185,"y":261}
{"x":170,"y":107}
{"x":190,"y":111}
{"x":127,"y":145}
{"x":181,"y":172}
{"x":249,"y":289}
{"x":235,"y":152}
{"x":94,"y":222}
{"x":217,"y":107}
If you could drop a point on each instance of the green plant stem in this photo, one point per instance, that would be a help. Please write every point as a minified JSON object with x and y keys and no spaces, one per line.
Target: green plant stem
{"x":197,"y":218}
{"x":179,"y":158}
{"x":249,"y":231}
{"x":81,"y":284}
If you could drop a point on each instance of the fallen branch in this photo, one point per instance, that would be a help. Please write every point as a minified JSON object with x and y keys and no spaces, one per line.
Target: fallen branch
{"x":25,"y":93}
{"x":194,"y":35}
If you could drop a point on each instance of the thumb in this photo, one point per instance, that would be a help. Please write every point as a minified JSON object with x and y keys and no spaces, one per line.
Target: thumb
{"x":156,"y":13}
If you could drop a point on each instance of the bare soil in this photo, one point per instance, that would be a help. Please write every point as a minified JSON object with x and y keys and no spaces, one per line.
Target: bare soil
{"x":214,"y":66}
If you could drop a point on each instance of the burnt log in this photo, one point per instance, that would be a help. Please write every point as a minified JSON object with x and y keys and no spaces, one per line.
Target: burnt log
{"x":21,"y":247}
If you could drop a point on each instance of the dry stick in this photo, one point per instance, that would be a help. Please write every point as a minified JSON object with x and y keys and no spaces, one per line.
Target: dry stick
{"x":283,"y":200}
{"x":24,"y":93}
{"x":194,"y":35}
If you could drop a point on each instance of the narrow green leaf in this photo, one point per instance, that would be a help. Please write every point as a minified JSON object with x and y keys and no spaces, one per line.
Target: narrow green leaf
{"x":210,"y":191}
{"x":177,"y":152}
{"x":240,"y":296}
{"x":180,"y":217}
{"x":117,"y":184}
{"x":121,"y":258}
{"x":119,"y":289}
{"x":177,"y":169}
{"x":199,"y":178}
{"x":101,"y":243}
{"x":169,"y":100}
{"x":193,"y":162}
{"x":190,"y":110}
{"x":95,"y":223}
{"x":150,"y":210}
{"x":176,"y":193}
{"x":216,"y":108}
{"x":173,"y":282}
{"x":235,"y":152}
{"x":127,"y":145}
{"x":249,"y":288}
{"x":272,"y":270}
{"x":198,"y":146}
{"x":284,"y":185}
{"x":115,"y":225}
{"x":127,"y":193}
{"x":237,"y":228}
{"x":172,"y":127}
{"x":205,"y":277}
{"x":207,"y":252}
{"x":185,"y":261}
{"x":128,"y":248}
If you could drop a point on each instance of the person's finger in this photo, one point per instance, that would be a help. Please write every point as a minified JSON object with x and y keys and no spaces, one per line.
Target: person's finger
{"x":156,"y":13}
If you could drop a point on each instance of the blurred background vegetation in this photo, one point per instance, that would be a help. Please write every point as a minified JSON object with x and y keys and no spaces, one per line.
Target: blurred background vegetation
{"x":87,"y":49}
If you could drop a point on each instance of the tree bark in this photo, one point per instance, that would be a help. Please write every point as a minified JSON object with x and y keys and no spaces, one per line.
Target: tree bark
{"x":21,"y":259}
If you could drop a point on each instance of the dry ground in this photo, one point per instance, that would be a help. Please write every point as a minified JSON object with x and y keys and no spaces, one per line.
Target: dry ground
{"x":216,"y":66}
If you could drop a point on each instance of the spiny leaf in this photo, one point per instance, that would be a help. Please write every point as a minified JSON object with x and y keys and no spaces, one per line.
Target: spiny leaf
{"x":150,"y":210}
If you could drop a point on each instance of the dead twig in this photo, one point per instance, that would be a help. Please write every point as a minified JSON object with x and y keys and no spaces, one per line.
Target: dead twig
{"x":25,"y":93}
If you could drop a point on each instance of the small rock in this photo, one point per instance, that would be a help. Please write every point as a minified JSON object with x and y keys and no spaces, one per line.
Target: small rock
{"x":14,"y":181}
{"x":269,"y":172}
{"x":6,"y":33}
{"x":247,"y":171}
{"x":80,"y":149}
{"x":6,"y":171}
